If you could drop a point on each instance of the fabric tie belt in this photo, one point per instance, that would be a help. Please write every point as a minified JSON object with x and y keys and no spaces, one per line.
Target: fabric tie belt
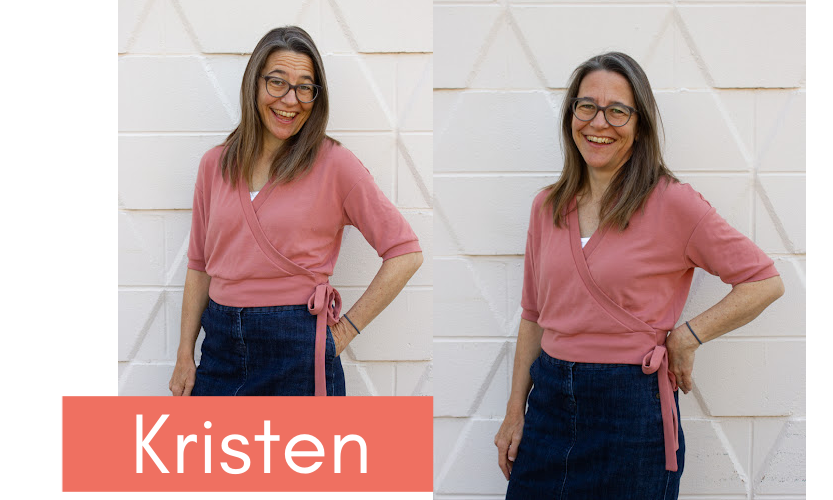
{"x":325,"y":304}
{"x":656,"y":361}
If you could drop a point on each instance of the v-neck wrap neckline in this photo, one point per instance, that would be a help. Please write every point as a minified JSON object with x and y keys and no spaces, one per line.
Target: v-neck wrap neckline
{"x":598,"y":234}
{"x":250,"y":208}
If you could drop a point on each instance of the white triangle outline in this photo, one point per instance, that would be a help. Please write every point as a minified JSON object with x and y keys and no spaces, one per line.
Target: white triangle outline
{"x":143,"y":14}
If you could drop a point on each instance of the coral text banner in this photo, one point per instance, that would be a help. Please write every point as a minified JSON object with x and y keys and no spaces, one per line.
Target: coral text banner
{"x":328,"y":444}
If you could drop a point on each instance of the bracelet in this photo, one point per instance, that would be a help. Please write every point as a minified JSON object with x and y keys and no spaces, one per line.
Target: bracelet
{"x":689,"y":329}
{"x":348,"y":320}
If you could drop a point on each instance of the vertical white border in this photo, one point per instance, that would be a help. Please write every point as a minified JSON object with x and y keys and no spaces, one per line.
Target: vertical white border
{"x":819,"y":244}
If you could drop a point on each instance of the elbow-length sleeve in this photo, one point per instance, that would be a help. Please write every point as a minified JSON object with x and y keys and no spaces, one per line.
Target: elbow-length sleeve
{"x":529,"y":294}
{"x":721,"y":250}
{"x":379,"y":221}
{"x":199,"y":222}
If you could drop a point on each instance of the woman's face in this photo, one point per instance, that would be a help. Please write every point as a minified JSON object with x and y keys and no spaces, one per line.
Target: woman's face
{"x":603,"y":147}
{"x":283,"y":117}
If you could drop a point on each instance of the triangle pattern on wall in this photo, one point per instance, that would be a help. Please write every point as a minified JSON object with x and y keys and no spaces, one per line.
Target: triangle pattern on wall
{"x":503,"y":51}
{"x":152,"y":33}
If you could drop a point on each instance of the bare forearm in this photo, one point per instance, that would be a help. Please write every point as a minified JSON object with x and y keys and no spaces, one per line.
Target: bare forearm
{"x":743,"y":304}
{"x":386,"y":285}
{"x":527,"y":349}
{"x":510,"y":433}
{"x":194,"y":302}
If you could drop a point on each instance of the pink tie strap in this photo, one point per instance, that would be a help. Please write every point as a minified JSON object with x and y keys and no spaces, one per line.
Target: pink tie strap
{"x":325,"y":304}
{"x":656,"y":361}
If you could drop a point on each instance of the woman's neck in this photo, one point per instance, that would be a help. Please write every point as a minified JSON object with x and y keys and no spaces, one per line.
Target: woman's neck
{"x":597,"y":183}
{"x":269,"y":149}
{"x":270,"y":146}
{"x":598,"y":180}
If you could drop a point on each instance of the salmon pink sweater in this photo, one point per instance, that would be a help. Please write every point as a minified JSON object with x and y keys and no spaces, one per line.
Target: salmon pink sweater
{"x":277,"y":248}
{"x":615,"y":300}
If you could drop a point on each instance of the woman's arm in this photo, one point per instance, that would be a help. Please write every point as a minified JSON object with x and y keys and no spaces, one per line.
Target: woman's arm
{"x":386,"y":285}
{"x":508,"y":437}
{"x":743,"y":304}
{"x":194,"y":301}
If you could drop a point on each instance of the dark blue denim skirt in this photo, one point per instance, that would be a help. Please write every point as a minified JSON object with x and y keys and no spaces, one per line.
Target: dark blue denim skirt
{"x":262,"y":351}
{"x":593,"y":431}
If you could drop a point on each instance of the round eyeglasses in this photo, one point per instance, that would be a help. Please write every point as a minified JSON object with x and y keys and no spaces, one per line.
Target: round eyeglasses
{"x":278,"y":87}
{"x":616,"y":114}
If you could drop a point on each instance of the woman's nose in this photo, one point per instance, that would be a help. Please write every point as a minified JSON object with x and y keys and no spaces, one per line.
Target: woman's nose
{"x":290,"y":98}
{"x":599,"y":120}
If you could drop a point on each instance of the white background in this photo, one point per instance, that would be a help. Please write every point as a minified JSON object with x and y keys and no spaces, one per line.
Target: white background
{"x":60,"y":238}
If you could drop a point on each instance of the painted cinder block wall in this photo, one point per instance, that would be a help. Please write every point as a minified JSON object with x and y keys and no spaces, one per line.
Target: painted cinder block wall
{"x":180,"y":66}
{"x":729,"y":79}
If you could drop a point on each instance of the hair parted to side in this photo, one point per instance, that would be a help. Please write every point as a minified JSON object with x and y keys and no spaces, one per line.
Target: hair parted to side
{"x":637,"y":177}
{"x":297,"y":154}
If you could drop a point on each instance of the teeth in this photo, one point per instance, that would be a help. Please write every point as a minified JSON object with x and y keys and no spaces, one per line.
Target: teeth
{"x":599,"y":140}
{"x":284,"y":113}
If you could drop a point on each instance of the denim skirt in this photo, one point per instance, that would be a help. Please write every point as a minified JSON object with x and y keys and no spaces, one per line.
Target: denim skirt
{"x":593,"y":431}
{"x":262,"y":351}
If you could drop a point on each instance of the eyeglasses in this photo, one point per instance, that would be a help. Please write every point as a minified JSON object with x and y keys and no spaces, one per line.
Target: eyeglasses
{"x":278,"y":87}
{"x":585,"y":109}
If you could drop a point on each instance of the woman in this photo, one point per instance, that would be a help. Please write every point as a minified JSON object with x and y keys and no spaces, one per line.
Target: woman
{"x":610,"y":254}
{"x":270,"y":205}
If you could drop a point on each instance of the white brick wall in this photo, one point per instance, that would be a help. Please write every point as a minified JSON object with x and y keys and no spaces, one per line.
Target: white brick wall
{"x":729,"y":80}
{"x":727,"y":74}
{"x":180,"y":66}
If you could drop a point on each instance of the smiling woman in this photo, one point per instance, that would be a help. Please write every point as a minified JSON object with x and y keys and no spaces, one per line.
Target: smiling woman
{"x":605,"y":147}
{"x":264,"y":145}
{"x":611,"y":250}
{"x":270,"y":206}
{"x":284,"y":107}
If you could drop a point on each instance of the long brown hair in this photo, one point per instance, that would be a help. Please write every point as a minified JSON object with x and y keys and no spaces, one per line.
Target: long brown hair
{"x":634,"y":181}
{"x":297,"y":153}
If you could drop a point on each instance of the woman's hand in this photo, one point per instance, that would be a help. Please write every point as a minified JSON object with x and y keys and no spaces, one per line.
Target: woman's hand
{"x":194,"y":302}
{"x":507,"y":439}
{"x":182,"y":381}
{"x":343,"y":333}
{"x":681,"y":345}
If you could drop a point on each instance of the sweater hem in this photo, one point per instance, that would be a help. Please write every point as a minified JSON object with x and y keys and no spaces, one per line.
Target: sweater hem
{"x":263,"y":292}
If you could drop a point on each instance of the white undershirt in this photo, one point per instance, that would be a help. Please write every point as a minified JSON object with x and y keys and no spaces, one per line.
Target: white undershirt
{"x":584,"y":241}
{"x":253,"y":194}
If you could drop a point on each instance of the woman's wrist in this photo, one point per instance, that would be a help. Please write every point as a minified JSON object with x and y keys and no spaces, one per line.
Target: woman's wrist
{"x":516,"y":406}
{"x":699,"y":342}
{"x":351,"y":325}
{"x":185,"y":354}
{"x":685,"y":339}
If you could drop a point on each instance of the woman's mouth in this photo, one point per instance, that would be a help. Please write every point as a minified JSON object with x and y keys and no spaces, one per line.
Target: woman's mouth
{"x":599,"y":140}
{"x":284,"y":116}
